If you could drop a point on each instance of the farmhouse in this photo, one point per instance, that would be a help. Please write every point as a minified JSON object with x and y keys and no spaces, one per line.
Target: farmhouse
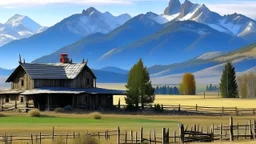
{"x":47,"y":86}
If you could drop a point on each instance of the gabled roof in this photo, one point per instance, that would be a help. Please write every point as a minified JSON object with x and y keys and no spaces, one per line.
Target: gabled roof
{"x":52,"y":71}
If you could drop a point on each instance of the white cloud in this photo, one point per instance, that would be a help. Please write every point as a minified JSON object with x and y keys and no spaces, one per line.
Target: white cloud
{"x":21,"y":3}
{"x":246,"y":8}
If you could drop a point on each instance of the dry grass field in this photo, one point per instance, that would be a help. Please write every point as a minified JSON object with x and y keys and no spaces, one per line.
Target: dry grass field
{"x":212,"y":99}
{"x":17,"y":123}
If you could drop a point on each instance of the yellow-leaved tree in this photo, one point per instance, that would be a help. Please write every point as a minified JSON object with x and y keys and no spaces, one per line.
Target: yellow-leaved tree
{"x":188,"y":85}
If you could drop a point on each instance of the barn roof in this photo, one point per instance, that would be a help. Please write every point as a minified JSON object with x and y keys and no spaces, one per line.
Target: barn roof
{"x":52,"y":71}
{"x":54,"y":90}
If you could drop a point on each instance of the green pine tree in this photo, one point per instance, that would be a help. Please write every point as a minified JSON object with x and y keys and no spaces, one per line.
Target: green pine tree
{"x":228,"y":85}
{"x":157,"y":90}
{"x":168,"y":90}
{"x":139,"y":87}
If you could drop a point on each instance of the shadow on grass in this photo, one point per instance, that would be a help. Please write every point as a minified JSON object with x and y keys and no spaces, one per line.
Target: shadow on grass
{"x":46,"y":116}
{"x":2,"y":115}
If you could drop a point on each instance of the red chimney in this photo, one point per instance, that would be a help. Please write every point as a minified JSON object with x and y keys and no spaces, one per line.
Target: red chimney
{"x":64,"y":58}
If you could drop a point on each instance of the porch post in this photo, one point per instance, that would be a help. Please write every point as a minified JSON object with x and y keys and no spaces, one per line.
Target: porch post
{"x":48,"y":101}
{"x":73,"y":101}
{"x":26,"y":100}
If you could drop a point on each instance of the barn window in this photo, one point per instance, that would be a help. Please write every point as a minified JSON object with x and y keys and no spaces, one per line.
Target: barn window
{"x":21,"y":99}
{"x":88,"y":81}
{"x":7,"y":99}
{"x":22,"y":82}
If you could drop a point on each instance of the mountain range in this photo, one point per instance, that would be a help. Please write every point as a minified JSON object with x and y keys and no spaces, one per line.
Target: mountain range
{"x":67,"y":31}
{"x":18,"y":27}
{"x":187,"y":37}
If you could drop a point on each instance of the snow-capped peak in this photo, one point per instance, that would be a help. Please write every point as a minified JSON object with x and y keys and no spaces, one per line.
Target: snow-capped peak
{"x":24,"y":21}
{"x":249,"y":28}
{"x":90,"y":11}
{"x":18,"y":27}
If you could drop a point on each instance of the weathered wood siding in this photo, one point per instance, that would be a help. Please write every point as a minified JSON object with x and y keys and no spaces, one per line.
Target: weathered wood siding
{"x":28,"y":82}
{"x":52,"y":83}
{"x":83,"y":80}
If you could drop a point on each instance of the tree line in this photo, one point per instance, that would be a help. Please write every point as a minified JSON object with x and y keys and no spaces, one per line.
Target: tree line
{"x":167,"y":90}
{"x":211,"y":87}
{"x":140,"y":90}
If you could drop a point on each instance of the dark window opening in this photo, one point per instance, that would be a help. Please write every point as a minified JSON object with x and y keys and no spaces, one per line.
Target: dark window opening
{"x":7,"y":99}
{"x":22,"y":82}
{"x":88,"y":81}
{"x":21,"y":99}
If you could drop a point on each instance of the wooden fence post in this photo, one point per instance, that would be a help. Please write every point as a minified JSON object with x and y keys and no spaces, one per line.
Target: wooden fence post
{"x":118,"y":135}
{"x":136,"y":137}
{"x":222,"y":111}
{"x":67,"y":138}
{"x":174,"y":137}
{"x":163,"y":136}
{"x":253,"y":111}
{"x":149,"y":136}
{"x":237,"y":112}
{"x":52,"y":133}
{"x":250,"y":129}
{"x":253,"y":131}
{"x":182,"y":133}
{"x":231,"y":137}
{"x":141,"y":135}
{"x":40,"y":138}
{"x":196,"y":107}
{"x":238,"y":132}
{"x":32,"y":141}
{"x":154,"y":136}
{"x":221,"y":131}
{"x":179,"y":108}
{"x":125,"y":137}
{"x":167,"y":135}
{"x":131,"y":136}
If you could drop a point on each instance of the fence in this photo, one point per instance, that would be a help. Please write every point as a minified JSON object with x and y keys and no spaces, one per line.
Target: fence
{"x":195,"y":133}
{"x":221,"y":111}
{"x":39,"y":138}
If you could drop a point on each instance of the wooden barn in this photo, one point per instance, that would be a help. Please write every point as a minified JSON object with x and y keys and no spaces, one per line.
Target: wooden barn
{"x":47,"y":86}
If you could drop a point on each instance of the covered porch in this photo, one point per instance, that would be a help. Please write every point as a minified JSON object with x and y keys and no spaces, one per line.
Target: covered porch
{"x":51,"y":98}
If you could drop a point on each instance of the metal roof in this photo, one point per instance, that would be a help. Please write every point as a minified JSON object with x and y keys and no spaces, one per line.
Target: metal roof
{"x":53,"y":71}
{"x":54,"y":90}
{"x":11,"y":91}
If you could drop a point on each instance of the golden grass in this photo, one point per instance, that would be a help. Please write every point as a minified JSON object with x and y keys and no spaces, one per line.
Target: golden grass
{"x":214,"y":101}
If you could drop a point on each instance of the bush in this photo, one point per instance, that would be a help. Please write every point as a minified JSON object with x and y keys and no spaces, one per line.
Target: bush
{"x":34,"y":113}
{"x":158,"y":108}
{"x":131,"y":108}
{"x":96,"y":115}
{"x":59,"y":110}
{"x":86,"y":140}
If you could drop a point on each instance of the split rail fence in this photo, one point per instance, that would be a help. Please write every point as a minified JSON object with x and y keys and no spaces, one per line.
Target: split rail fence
{"x":221,"y":111}
{"x":188,"y":134}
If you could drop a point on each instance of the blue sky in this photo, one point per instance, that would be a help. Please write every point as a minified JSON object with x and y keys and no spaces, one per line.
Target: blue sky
{"x":49,"y":12}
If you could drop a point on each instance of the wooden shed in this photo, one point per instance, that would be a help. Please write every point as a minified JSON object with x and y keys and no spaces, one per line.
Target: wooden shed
{"x":47,"y":86}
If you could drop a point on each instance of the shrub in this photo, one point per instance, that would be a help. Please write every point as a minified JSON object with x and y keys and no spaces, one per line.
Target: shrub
{"x":34,"y":113}
{"x":96,"y":115}
{"x":86,"y":140}
{"x":158,"y":108}
{"x":59,"y":110}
